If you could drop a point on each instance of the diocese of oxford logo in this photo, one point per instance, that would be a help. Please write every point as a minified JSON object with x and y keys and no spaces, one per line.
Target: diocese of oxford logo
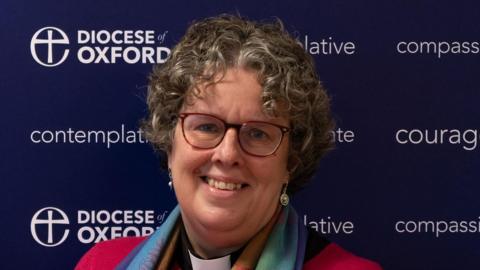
{"x":44,"y":220}
{"x":45,"y":36}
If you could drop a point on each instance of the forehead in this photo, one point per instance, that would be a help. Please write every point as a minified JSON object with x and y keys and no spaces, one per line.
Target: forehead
{"x":236,"y":96}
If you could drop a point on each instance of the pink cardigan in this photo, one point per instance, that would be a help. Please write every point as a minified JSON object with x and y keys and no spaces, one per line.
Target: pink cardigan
{"x":108,"y":254}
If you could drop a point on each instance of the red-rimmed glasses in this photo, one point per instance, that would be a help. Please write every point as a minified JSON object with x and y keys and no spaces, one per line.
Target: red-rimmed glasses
{"x":256,"y":138}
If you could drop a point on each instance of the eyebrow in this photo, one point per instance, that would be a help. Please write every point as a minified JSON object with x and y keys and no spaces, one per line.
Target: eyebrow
{"x":266,"y":119}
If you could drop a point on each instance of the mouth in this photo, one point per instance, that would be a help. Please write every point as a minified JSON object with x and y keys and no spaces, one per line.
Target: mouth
{"x":218,"y":184}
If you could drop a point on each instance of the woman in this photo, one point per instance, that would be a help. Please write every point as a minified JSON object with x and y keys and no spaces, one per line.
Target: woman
{"x":244,"y":120}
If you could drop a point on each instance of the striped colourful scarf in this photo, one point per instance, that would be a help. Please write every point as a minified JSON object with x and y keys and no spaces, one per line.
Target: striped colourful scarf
{"x":279,"y":245}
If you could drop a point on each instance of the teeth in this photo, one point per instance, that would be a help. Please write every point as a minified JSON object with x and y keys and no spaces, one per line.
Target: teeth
{"x":223,"y":185}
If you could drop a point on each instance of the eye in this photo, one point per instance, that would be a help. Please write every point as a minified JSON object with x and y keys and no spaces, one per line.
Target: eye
{"x":207,"y":128}
{"x":257,"y":134}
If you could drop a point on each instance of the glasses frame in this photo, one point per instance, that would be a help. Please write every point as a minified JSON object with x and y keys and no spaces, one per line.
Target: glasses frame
{"x":237,"y":127}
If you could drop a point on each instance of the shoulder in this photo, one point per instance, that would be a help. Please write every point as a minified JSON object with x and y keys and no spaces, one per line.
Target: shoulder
{"x":107,"y":254}
{"x":330,"y":256}
{"x":333,"y":257}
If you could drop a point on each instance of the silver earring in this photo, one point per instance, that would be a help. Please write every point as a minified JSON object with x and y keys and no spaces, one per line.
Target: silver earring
{"x":170,"y":182}
{"x":284,"y":199}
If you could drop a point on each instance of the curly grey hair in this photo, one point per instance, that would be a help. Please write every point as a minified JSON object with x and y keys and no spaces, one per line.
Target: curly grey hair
{"x":285,"y":71}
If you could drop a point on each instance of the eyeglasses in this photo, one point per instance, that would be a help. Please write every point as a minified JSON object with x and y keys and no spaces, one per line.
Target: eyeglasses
{"x":256,"y":138}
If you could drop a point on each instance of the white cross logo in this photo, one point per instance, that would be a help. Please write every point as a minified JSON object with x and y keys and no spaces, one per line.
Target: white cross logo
{"x":50,"y":222}
{"x":49,"y":41}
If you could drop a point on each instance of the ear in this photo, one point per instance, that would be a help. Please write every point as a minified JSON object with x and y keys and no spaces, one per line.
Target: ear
{"x":169,"y":162}
{"x":168,"y":153}
{"x":293,"y":162}
{"x":286,"y":177}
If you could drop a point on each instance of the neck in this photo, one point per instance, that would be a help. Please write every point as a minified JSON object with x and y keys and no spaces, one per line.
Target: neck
{"x":204,"y":249}
{"x":209,"y":252}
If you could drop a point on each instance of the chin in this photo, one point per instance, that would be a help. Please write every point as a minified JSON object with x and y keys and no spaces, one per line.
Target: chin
{"x":220,"y":219}
{"x":219,"y":227}
{"x":228,"y":241}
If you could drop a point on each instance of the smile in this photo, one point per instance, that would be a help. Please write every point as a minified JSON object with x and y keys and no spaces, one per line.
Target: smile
{"x":222,"y":185}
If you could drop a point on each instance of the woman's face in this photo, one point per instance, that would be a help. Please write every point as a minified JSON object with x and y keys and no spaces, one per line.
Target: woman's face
{"x":219,"y":221}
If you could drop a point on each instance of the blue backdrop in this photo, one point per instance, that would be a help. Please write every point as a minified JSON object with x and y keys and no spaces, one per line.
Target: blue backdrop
{"x":400,"y":187}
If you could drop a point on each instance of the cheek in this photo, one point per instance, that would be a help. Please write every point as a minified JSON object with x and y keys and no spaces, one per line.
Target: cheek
{"x":271,"y":171}
{"x":277,"y":165}
{"x":183,"y":158}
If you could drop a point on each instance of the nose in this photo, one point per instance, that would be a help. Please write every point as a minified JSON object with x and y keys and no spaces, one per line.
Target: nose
{"x":228,"y":152}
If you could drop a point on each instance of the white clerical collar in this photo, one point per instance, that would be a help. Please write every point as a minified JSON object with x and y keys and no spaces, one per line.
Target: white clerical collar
{"x":222,"y":263}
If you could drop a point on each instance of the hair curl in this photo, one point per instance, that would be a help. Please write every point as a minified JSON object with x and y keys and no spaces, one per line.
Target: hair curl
{"x":285,"y":71}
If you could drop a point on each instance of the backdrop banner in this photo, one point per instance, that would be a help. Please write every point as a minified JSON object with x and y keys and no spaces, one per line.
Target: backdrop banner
{"x":401,"y":186}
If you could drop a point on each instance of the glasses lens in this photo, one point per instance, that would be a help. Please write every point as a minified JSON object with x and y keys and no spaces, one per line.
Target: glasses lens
{"x":202,"y":130}
{"x":260,"y":139}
